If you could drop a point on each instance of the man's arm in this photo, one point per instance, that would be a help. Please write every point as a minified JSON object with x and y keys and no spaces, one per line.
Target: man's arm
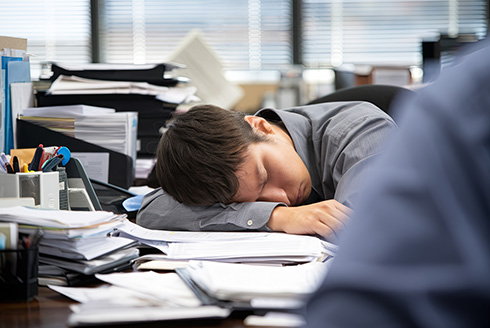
{"x":159,"y":210}
{"x":326,"y":218}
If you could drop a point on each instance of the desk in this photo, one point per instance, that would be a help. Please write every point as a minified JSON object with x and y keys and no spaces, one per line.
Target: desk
{"x":51,"y":310}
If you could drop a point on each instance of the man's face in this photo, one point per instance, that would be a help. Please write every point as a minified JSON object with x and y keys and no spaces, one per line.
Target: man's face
{"x":274,"y":172}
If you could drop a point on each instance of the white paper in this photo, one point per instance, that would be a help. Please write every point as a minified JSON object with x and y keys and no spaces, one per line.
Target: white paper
{"x":56,"y":218}
{"x":231,"y":281}
{"x":167,"y":287}
{"x":96,"y":165}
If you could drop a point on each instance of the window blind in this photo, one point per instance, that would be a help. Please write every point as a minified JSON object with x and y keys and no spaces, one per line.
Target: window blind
{"x":55,"y":30}
{"x":246,"y":34}
{"x":382,"y":32}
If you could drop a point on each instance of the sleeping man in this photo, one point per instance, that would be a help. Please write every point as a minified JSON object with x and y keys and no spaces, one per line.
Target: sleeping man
{"x":294,"y":170}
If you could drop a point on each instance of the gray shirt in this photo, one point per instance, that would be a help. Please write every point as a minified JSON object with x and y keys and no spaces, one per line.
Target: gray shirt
{"x":336,"y":141}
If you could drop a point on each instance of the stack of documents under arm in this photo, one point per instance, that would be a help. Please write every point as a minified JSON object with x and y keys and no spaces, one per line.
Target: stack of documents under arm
{"x":244,"y":247}
{"x":75,"y":240}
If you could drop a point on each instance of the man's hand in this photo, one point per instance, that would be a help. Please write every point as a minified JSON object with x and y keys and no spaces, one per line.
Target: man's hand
{"x":327,"y":218}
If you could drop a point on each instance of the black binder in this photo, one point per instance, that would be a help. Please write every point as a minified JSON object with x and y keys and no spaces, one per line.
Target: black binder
{"x":154,"y":75}
{"x":30,"y":135}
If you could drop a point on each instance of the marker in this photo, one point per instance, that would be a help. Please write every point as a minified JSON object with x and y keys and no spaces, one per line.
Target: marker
{"x":9,"y":168}
{"x":36,"y":159}
{"x":25,"y":168}
{"x":15,"y":164}
{"x":52,"y":163}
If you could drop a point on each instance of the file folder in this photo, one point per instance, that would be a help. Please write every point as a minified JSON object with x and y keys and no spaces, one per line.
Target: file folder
{"x":121,"y":170}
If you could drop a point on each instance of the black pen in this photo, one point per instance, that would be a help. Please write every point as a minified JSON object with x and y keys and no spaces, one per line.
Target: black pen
{"x":36,"y":159}
{"x":15,"y":164}
{"x":9,"y":168}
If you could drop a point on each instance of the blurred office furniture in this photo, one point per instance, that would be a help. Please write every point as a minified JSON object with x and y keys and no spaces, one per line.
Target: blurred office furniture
{"x":352,"y":75}
{"x":380,"y":95}
{"x":439,"y":51}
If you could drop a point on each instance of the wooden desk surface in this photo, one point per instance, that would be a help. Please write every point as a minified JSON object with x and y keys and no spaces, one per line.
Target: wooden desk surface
{"x":51,"y":310}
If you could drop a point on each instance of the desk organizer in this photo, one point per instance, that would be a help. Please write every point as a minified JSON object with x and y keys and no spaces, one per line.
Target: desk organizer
{"x":44,"y":187}
{"x":18,"y":274}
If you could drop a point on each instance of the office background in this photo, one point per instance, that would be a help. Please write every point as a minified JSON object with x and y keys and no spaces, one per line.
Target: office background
{"x":258,"y":41}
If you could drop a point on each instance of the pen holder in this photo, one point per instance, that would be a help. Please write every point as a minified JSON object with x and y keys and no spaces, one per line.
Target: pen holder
{"x":18,"y":274}
{"x":43,"y":187}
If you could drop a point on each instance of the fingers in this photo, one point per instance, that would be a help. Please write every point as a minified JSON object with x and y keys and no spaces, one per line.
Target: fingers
{"x":333,"y":219}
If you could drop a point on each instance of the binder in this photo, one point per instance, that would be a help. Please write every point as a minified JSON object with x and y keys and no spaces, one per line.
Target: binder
{"x":153,"y":75}
{"x":121,"y":170}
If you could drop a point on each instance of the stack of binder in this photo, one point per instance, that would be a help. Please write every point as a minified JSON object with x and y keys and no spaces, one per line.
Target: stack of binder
{"x":153,"y":110}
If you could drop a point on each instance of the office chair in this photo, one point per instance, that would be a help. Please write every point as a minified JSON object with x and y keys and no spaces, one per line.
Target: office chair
{"x":378,"y":94}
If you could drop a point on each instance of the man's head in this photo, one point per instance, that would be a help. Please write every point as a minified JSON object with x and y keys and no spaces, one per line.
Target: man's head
{"x":211,"y":155}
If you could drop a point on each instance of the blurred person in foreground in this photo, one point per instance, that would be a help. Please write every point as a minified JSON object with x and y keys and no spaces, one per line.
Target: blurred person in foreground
{"x":418,"y":254}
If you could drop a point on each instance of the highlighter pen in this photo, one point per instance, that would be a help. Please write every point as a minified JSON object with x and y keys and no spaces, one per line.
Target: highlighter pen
{"x":25,"y":168}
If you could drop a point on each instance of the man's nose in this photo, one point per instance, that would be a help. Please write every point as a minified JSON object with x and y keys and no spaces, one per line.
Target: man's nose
{"x":275,"y":194}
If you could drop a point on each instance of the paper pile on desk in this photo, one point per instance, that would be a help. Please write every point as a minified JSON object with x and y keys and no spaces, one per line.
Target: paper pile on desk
{"x":149,"y":296}
{"x":137,"y":297}
{"x":256,"y":247}
{"x":75,"y":240}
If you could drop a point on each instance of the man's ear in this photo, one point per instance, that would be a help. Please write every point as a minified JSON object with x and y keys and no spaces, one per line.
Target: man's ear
{"x":259,"y":124}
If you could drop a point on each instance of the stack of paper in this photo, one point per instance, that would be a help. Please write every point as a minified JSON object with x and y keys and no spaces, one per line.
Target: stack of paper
{"x":257,"y":247}
{"x":102,"y":126}
{"x":137,"y":297}
{"x":64,"y":85}
{"x":75,"y":240}
{"x":242,"y":282}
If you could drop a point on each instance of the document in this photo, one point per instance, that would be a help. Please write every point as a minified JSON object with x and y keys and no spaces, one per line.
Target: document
{"x":243,"y":282}
{"x":271,"y":247}
{"x":56,"y":218}
{"x":69,"y":111}
{"x":136,"y":297}
{"x":69,"y":85}
{"x":92,"y":266}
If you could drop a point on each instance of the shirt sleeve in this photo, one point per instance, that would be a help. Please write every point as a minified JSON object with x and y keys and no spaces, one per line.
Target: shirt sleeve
{"x":351,"y":146}
{"x":161,"y":211}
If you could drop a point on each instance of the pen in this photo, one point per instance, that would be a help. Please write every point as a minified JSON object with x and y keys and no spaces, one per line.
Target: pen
{"x":35,"y":237}
{"x":9,"y":168}
{"x":15,"y":164}
{"x":2,"y":166}
{"x":36,"y":159}
{"x":2,"y":161}
{"x":52,"y":163}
